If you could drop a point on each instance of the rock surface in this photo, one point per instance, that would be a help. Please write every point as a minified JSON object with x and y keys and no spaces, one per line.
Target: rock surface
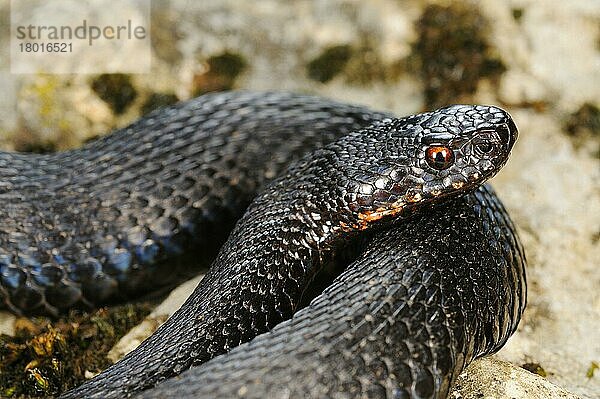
{"x":158,"y":316}
{"x":490,"y":378}
{"x":541,"y":61}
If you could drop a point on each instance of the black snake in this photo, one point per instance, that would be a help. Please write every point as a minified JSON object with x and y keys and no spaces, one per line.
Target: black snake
{"x":431,"y":278}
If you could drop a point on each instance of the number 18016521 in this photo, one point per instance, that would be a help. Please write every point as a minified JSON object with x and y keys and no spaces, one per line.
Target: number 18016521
{"x":46,"y":47}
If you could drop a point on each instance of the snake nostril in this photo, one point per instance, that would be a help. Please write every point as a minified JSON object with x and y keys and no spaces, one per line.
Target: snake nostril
{"x":509,"y":133}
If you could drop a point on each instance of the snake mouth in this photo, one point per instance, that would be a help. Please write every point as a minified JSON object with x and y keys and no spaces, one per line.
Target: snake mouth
{"x":366,"y":218}
{"x":380,"y":213}
{"x":395,"y":209}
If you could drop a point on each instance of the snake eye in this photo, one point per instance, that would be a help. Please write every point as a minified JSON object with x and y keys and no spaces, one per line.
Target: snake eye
{"x":439,"y":157}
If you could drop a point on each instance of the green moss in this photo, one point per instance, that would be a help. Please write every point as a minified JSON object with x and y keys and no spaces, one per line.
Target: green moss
{"x":451,"y":53}
{"x":583,"y":127}
{"x":221,"y":74}
{"x":158,"y":100}
{"x":329,"y":63}
{"x":358,"y":64}
{"x":116,"y":90}
{"x":228,"y":65}
{"x":36,"y":148}
{"x":593,"y":367}
{"x":535,"y":368}
{"x":517,"y":14}
{"x":366,"y":66}
{"x":48,"y":357}
{"x":585,"y":120}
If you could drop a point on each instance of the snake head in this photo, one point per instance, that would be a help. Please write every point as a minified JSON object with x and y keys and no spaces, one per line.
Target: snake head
{"x":430,"y":156}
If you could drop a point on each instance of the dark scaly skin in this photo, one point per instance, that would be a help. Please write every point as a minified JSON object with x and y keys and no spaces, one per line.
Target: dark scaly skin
{"x":358,"y":182}
{"x":421,"y":302}
{"x":148,"y":204}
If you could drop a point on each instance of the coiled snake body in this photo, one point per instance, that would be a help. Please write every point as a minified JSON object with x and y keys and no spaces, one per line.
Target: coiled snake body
{"x":433,"y":278}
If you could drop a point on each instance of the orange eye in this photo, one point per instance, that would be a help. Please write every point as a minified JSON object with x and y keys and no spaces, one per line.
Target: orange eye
{"x":439,"y":157}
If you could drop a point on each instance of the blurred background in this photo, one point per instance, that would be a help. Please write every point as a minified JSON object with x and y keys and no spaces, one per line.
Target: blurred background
{"x":540,"y":60}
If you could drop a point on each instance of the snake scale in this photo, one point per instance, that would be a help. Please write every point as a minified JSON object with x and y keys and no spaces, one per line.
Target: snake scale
{"x":431,"y":271}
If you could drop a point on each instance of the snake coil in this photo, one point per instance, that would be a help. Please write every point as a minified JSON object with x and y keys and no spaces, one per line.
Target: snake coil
{"x":435,"y":277}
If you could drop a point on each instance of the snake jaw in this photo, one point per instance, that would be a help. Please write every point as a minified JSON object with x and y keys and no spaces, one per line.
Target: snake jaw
{"x":366,"y":218}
